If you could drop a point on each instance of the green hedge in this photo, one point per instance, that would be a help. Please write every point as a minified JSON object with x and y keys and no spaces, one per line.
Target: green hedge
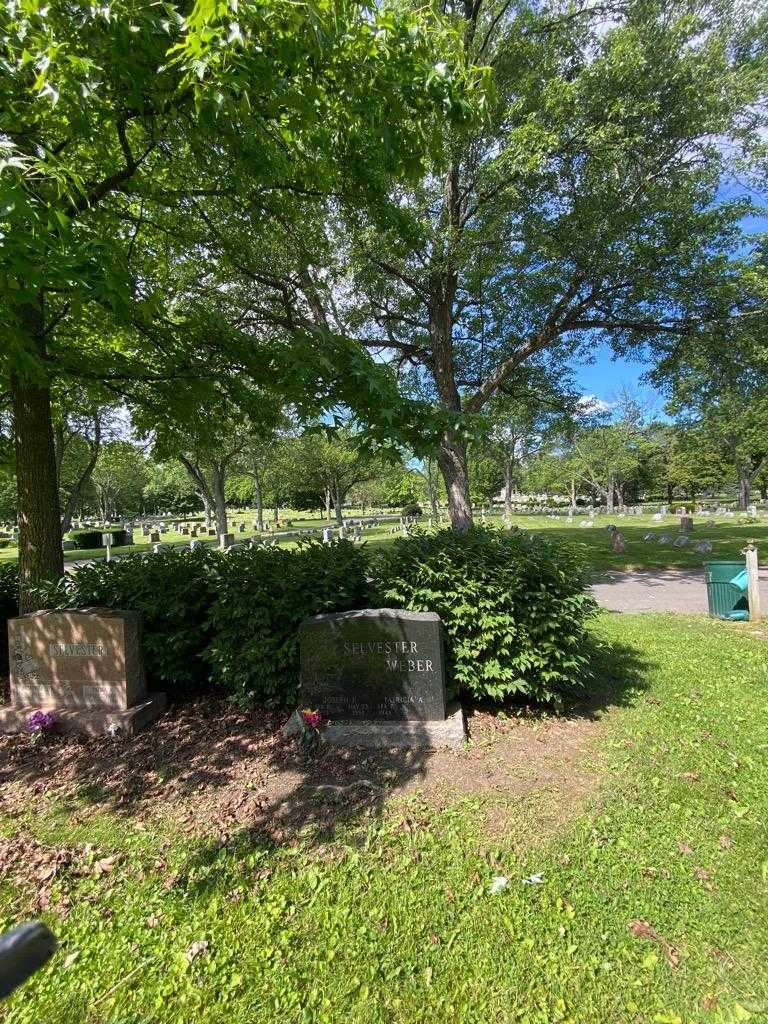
{"x":87,"y":540}
{"x":7,"y":542}
{"x":262,"y":594}
{"x":174,"y":593}
{"x":513,"y":607}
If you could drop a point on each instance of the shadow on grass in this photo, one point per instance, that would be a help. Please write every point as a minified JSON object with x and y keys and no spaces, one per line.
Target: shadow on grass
{"x":225,"y":768}
{"x":226,"y":779}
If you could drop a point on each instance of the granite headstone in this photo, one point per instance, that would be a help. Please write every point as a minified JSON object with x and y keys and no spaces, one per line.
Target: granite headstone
{"x":374,"y":663}
{"x":86,"y":665}
{"x":377,"y":676}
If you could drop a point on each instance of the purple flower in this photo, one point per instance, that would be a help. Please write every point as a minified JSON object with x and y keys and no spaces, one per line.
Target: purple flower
{"x":41,"y":721}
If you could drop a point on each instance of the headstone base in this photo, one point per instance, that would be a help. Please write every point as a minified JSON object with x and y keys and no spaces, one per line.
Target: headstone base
{"x":91,"y":721}
{"x":377,"y":733}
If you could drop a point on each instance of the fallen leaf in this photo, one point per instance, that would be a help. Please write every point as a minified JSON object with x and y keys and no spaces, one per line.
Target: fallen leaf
{"x":690,"y":776}
{"x":153,"y":921}
{"x":106,"y":864}
{"x":642,"y":930}
{"x":197,"y":949}
{"x":725,"y":842}
{"x":702,"y":874}
{"x":709,"y":1002}
{"x":498,"y":883}
{"x":69,"y":960}
{"x":683,"y":847}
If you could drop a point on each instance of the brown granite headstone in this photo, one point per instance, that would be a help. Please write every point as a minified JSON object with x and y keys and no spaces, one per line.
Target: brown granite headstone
{"x":86,"y":665}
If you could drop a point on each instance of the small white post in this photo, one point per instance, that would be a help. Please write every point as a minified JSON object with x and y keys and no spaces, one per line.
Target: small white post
{"x":753,"y":581}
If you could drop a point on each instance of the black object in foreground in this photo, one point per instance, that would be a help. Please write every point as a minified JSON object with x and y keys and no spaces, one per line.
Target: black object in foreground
{"x":22,"y":951}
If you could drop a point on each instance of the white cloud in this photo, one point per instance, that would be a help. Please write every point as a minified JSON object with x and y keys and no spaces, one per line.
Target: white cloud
{"x":588,"y":405}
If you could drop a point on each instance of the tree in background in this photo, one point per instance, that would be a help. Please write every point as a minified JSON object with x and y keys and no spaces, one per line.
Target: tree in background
{"x":738,"y":425}
{"x":694,"y":462}
{"x":169,"y":487}
{"x":82,"y":423}
{"x":720,"y":392}
{"x":118,"y":480}
{"x":395,"y":485}
{"x":525,"y":417}
{"x":429,"y":471}
{"x":584,"y":208}
{"x":334,"y":463}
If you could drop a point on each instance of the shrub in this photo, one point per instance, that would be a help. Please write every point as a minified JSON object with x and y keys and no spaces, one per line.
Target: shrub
{"x":513,"y":607}
{"x":173,"y":591}
{"x":411,"y":510}
{"x":89,"y":539}
{"x":6,"y":542}
{"x":9,"y":607}
{"x":262,"y":595}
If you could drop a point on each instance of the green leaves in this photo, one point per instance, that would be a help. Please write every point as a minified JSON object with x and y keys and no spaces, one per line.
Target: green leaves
{"x":513,"y":607}
{"x":262,"y":596}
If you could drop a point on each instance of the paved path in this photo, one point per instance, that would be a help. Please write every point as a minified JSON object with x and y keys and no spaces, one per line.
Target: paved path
{"x":661,"y":590}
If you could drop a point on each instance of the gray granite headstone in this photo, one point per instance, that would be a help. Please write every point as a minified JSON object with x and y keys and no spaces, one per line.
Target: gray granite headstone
{"x":374,"y":664}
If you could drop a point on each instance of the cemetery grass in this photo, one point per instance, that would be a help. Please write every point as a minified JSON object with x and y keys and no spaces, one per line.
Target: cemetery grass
{"x":643,"y":901}
{"x":729,"y":538}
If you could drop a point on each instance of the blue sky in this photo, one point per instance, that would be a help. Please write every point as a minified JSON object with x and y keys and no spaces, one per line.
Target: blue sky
{"x":606,"y":376}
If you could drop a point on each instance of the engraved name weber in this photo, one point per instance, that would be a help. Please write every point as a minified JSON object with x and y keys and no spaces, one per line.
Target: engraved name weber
{"x":354,"y":647}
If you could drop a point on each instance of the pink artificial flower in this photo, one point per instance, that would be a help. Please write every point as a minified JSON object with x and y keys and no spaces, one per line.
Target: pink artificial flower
{"x":312,"y":719}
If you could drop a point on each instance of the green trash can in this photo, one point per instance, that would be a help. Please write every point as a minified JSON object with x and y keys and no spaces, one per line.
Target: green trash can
{"x":726,"y":596}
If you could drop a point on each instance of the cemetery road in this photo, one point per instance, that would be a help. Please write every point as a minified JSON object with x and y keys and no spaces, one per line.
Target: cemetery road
{"x":660,"y":590}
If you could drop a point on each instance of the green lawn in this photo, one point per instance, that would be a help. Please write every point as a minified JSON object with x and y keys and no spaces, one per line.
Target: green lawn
{"x":728,"y":537}
{"x":391,"y":920}
{"x":174,"y":539}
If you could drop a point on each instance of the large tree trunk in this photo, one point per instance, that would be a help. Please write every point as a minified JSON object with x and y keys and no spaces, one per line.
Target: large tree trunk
{"x":453,"y":465}
{"x":40,"y":552}
{"x":327,"y":504}
{"x":218,"y":474}
{"x":337,"y":503}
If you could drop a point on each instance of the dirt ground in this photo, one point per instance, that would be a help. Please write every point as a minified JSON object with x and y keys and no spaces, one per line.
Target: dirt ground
{"x":212,"y":771}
